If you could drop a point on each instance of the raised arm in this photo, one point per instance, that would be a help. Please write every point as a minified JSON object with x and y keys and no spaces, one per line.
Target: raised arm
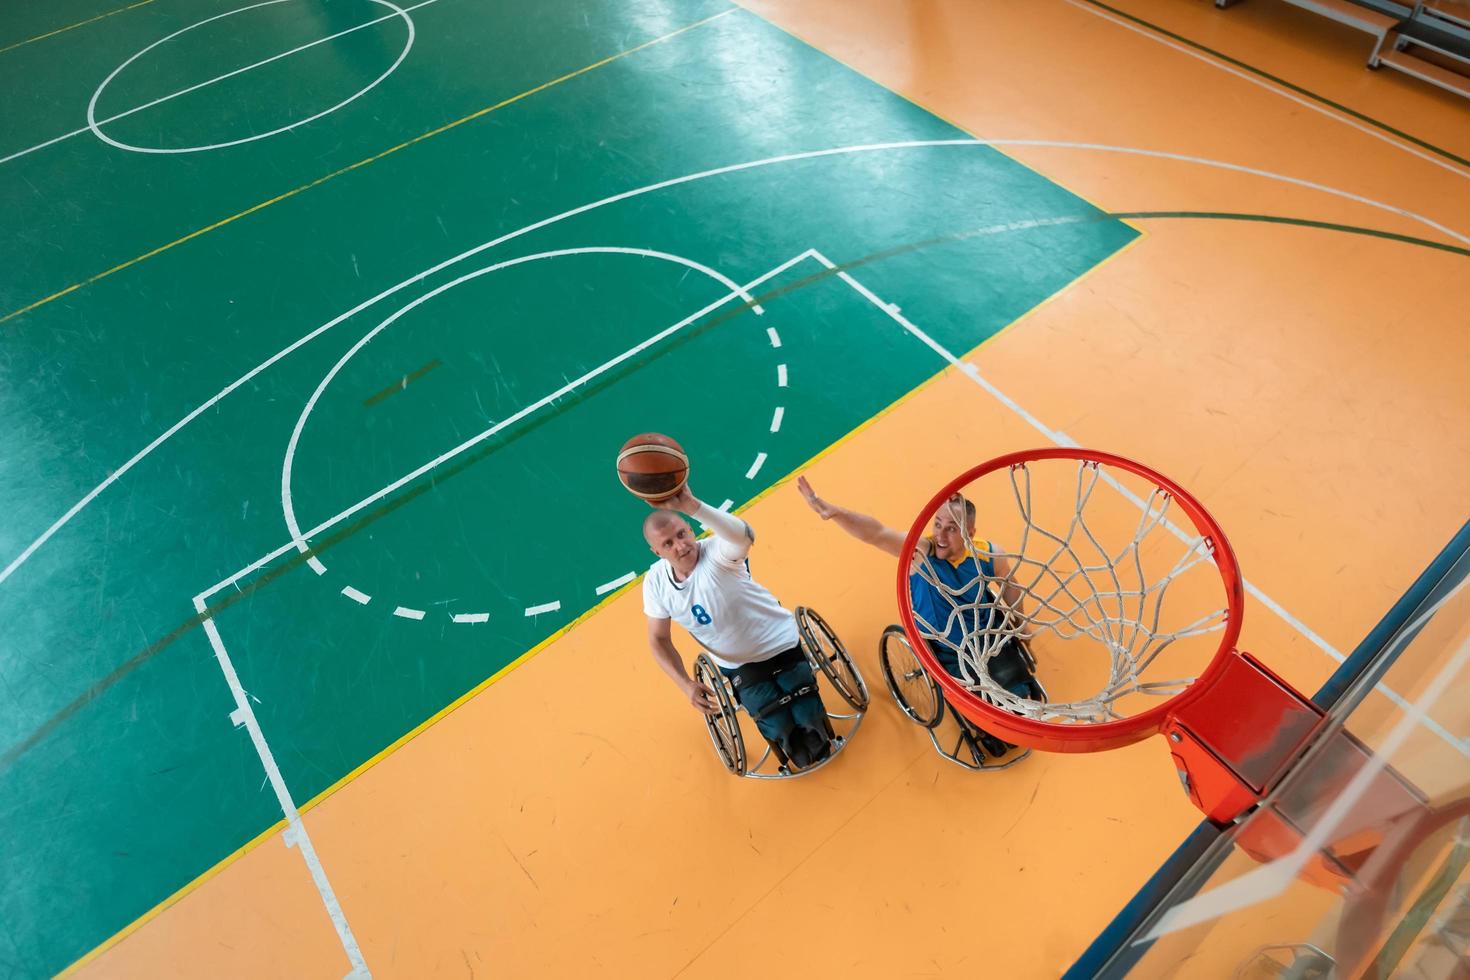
{"x":866,"y":529}
{"x":734,"y":535}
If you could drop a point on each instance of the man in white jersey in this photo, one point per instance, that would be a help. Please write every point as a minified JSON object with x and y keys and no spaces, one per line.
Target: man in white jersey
{"x":706,"y":587}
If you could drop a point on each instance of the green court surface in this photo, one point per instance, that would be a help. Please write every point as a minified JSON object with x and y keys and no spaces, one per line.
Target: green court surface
{"x":452,"y":471}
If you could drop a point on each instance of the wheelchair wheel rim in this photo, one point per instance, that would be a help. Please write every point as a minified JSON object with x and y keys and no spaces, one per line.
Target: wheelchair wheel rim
{"x":826,"y":652}
{"x":908,"y":682}
{"x":724,"y":728}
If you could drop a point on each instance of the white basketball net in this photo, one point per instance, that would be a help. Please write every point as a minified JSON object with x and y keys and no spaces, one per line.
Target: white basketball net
{"x":1069,"y":583}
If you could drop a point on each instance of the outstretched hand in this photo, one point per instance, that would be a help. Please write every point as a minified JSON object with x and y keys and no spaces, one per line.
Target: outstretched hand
{"x":824,"y":510}
{"x":684,"y":502}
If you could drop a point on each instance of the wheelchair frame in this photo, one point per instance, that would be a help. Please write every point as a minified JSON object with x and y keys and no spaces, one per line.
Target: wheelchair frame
{"x":829,"y":660}
{"x":968,"y":738}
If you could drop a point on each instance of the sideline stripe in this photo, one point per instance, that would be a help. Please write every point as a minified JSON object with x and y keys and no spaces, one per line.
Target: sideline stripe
{"x":72,"y":27}
{"x":9,"y":756}
{"x":631,"y":581}
{"x":831,"y":448}
{"x":361,"y":163}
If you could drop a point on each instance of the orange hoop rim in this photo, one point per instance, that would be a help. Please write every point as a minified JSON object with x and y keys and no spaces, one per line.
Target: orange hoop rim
{"x":1061,"y":737}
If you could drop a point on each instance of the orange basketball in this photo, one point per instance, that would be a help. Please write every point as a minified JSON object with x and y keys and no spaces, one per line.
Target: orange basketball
{"x":653,"y":466}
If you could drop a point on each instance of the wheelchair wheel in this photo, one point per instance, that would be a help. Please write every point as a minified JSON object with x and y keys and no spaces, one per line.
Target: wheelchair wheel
{"x":724,"y":728}
{"x":826,"y":653}
{"x":917,"y":693}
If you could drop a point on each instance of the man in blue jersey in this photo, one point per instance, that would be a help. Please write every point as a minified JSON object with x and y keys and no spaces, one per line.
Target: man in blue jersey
{"x":961,"y":564}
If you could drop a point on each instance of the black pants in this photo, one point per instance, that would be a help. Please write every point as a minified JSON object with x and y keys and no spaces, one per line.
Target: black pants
{"x":1009,"y":669}
{"x":780,"y":694}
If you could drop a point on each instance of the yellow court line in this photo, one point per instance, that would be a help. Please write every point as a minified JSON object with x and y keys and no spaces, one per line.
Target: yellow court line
{"x":458,"y":702}
{"x":439,"y":715}
{"x":71,"y":27}
{"x":148,"y":916}
{"x":377,"y":757}
{"x":362,"y":163}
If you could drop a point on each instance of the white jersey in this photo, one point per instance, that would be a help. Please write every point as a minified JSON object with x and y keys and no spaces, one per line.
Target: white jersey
{"x":731,"y":615}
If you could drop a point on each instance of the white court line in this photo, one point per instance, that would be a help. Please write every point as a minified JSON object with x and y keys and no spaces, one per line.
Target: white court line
{"x":964,"y":367}
{"x":780,"y":376}
{"x":760,"y":459}
{"x":487,"y":433}
{"x":1062,"y":439}
{"x":776,"y":418}
{"x":295,"y":834}
{"x":727,"y":505}
{"x":481,"y":617}
{"x":616,"y":583}
{"x":97,"y":131}
{"x":356,"y":596}
{"x":217,"y":78}
{"x":288,"y":507}
{"x":1262,"y":83}
{"x":119,"y":472}
{"x":775,"y":337}
{"x":408,"y":613}
{"x":545,"y":608}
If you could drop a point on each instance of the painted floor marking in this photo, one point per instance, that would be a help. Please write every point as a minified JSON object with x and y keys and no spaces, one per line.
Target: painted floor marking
{"x":288,"y":507}
{"x":295,"y":835}
{"x":1062,"y":439}
{"x":776,"y":418}
{"x":616,"y":583}
{"x":356,"y":596}
{"x":760,"y":459}
{"x":116,"y":474}
{"x":408,"y":613}
{"x":780,"y":376}
{"x":479,"y":617}
{"x":287,"y":502}
{"x":94,"y":123}
{"x":543,"y":608}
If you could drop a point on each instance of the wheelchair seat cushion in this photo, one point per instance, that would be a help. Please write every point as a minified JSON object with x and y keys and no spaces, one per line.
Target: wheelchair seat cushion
{"x":781,"y":696}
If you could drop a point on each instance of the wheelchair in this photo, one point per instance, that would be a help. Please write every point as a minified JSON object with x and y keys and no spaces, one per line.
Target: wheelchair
{"x":919,"y":697}
{"x":829,"y":660}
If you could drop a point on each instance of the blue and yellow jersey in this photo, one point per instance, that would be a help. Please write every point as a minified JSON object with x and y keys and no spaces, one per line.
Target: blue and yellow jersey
{"x":934,"y":610}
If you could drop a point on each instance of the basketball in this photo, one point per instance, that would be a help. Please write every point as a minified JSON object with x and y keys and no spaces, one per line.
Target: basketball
{"x":653,"y":466}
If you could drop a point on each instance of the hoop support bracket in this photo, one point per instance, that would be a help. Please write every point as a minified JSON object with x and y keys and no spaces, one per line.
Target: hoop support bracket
{"x":1232,"y":743}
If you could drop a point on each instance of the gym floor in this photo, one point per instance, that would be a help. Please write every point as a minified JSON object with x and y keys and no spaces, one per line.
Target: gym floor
{"x":322,"y":322}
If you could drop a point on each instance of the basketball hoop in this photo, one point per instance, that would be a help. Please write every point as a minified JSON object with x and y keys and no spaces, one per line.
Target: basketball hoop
{"x":1113,"y":577}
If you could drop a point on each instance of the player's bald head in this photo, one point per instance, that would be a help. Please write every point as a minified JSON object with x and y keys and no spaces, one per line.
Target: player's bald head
{"x":657,"y":524}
